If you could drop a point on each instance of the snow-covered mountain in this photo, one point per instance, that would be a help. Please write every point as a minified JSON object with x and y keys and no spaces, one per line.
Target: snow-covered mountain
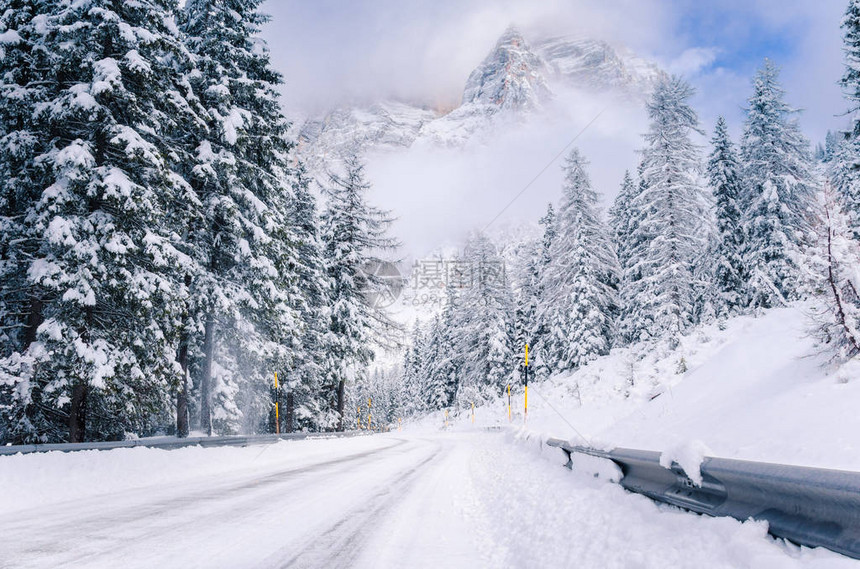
{"x":387,"y":123}
{"x":516,"y":80}
{"x":596,"y":66}
{"x":511,"y":78}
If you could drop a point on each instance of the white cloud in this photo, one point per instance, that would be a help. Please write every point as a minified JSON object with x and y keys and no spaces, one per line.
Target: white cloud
{"x":692,"y":61}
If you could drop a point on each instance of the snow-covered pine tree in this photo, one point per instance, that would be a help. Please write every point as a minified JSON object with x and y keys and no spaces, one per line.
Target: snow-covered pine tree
{"x":435,"y":389}
{"x":308,"y":366}
{"x":396,"y":399}
{"x":619,"y":217}
{"x":838,"y":260}
{"x":850,"y":80}
{"x":580,"y":282}
{"x":21,"y":186}
{"x":485,"y":322}
{"x":531,"y":292}
{"x":831,"y":145}
{"x":843,"y":173}
{"x":839,"y":252}
{"x":243,"y":299}
{"x":727,"y":271}
{"x":665,"y":230}
{"x":382,"y":388}
{"x":414,"y":380}
{"x":845,"y":169}
{"x":778,"y":185}
{"x":549,"y":232}
{"x":21,"y":179}
{"x":819,"y":153}
{"x":524,"y":274}
{"x":442,"y":360}
{"x":623,"y":220}
{"x":354,"y":235}
{"x":450,"y":358}
{"x":101,"y":255}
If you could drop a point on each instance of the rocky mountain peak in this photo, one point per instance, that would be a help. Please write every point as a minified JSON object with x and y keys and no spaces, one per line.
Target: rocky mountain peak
{"x":511,"y":76}
{"x":514,"y":79}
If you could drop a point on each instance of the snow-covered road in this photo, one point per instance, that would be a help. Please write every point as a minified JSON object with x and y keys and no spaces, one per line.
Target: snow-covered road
{"x":399,"y":500}
{"x":318,"y":511}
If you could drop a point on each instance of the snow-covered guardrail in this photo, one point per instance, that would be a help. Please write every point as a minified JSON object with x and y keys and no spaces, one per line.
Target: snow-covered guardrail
{"x":808,"y":506}
{"x":174,"y":442}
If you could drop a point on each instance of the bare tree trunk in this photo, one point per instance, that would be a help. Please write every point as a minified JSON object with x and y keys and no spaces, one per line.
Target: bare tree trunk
{"x":289,"y":412}
{"x":78,"y":413}
{"x":206,"y":376}
{"x":182,"y":426}
{"x":340,"y":404}
{"x":78,"y":404}
{"x":34,"y":320}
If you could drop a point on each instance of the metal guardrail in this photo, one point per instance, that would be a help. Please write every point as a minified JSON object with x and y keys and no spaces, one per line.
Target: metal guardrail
{"x":170,"y":443}
{"x":814,"y":507}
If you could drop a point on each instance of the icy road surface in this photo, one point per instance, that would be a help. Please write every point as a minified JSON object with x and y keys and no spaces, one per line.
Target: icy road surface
{"x":399,"y":500}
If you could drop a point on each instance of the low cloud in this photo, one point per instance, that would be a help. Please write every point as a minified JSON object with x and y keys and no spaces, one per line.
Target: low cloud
{"x":439,"y":194}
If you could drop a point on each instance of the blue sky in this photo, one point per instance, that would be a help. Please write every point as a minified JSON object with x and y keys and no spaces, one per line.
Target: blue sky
{"x":742,"y":35}
{"x":803,"y":38}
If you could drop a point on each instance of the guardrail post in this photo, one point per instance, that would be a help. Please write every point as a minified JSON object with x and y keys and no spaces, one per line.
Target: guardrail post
{"x":569,"y":463}
{"x":277,"y":406}
{"x":526,"y":387}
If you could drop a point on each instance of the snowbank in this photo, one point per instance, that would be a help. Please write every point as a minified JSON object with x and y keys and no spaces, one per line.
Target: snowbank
{"x":755,"y":388}
{"x":582,"y":521}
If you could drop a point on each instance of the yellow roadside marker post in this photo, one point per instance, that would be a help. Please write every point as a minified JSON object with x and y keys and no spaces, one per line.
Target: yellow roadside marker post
{"x":277,"y":405}
{"x":446,"y":418}
{"x":473,"y":412}
{"x":358,"y":417}
{"x":399,"y":424}
{"x":526,"y":387}
{"x":369,"y":414}
{"x":510,"y":417}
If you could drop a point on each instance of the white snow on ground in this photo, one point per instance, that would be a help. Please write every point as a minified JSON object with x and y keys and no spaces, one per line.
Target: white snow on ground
{"x":455,"y":499}
{"x":581,"y":521}
{"x":33,"y":480}
{"x":756,"y":389}
{"x":760,"y":389}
